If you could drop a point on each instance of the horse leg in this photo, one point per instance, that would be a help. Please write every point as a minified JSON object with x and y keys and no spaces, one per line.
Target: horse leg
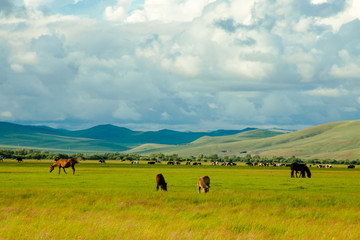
{"x":292,"y":173}
{"x":73,"y":168}
{"x":64,"y":170}
{"x":59,"y":169}
{"x":157,"y":187}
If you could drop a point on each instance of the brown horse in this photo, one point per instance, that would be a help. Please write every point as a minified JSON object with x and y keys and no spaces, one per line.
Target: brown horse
{"x":64,"y":163}
{"x":160,"y":182}
{"x":203,"y":184}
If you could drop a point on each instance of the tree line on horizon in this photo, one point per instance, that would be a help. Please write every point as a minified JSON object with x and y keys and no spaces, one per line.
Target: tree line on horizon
{"x":37,"y":154}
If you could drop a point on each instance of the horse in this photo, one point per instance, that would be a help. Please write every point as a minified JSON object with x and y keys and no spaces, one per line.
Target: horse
{"x":102,"y":160}
{"x":64,"y":163}
{"x":203,"y":184}
{"x":296,"y":167}
{"x":160,"y":182}
{"x":19,"y":159}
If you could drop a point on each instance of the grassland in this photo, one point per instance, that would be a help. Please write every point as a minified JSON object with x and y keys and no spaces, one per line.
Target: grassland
{"x":119,"y":201}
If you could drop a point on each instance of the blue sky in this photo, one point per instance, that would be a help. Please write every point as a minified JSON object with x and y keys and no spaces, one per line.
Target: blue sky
{"x":179,"y":64}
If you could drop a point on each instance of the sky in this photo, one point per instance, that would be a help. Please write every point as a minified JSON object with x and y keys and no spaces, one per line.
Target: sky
{"x":179,"y":64}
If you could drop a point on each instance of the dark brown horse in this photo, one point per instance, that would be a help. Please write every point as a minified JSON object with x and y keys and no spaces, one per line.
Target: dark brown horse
{"x":302,"y":168}
{"x":64,"y":163}
{"x":160,"y":182}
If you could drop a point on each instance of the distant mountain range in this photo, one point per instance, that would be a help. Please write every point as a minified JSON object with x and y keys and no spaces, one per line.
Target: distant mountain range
{"x":98,"y":138}
{"x":337,"y":140}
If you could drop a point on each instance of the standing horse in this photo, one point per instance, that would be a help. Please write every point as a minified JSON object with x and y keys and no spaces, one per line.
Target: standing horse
{"x":203,"y":184}
{"x":64,"y":163}
{"x":296,"y":167}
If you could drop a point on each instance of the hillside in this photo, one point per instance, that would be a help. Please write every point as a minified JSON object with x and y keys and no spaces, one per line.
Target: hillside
{"x":338,"y":140}
{"x":101,"y":138}
{"x":207,"y":145}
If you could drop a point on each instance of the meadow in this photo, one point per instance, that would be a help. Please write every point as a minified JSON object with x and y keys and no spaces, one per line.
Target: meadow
{"x":119,"y":201}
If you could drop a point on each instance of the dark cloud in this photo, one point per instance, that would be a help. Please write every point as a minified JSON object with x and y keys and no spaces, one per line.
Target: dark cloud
{"x":6,"y":7}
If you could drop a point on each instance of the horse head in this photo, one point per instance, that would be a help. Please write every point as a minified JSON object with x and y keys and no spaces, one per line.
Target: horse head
{"x":51,"y":168}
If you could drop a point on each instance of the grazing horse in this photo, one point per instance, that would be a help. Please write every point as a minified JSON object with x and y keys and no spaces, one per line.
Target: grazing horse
{"x":64,"y":163}
{"x":296,"y":167}
{"x":102,"y":160}
{"x":160,"y":182}
{"x":19,"y":159}
{"x":203,"y":184}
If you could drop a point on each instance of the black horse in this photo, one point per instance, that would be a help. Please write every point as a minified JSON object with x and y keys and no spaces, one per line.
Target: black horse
{"x":302,"y":168}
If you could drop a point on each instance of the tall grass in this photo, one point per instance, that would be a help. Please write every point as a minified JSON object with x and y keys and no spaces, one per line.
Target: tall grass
{"x":118,"y":201}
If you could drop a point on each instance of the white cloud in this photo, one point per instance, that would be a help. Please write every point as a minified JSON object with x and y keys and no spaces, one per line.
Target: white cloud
{"x":349,"y":71}
{"x":351,"y":12}
{"x":6,"y":115}
{"x":325,"y":92}
{"x":125,"y":112}
{"x":17,"y":67}
{"x":182,"y":65}
{"x":35,"y":3}
{"x":165,"y":116}
{"x":115,"y":13}
{"x":303,"y":24}
{"x":223,"y":63}
{"x":173,"y":10}
{"x":316,"y":2}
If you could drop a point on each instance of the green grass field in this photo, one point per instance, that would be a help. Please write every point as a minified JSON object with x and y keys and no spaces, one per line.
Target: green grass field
{"x":119,"y":201}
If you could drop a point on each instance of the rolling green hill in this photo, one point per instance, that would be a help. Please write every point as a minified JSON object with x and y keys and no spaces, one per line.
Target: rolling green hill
{"x":338,"y":140}
{"x":102,"y":138}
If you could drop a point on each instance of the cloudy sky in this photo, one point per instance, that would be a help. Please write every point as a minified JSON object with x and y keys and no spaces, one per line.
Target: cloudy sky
{"x":179,"y":64}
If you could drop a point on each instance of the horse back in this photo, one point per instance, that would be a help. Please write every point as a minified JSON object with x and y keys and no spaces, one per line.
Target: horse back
{"x":204,"y":182}
{"x":160,"y":180}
